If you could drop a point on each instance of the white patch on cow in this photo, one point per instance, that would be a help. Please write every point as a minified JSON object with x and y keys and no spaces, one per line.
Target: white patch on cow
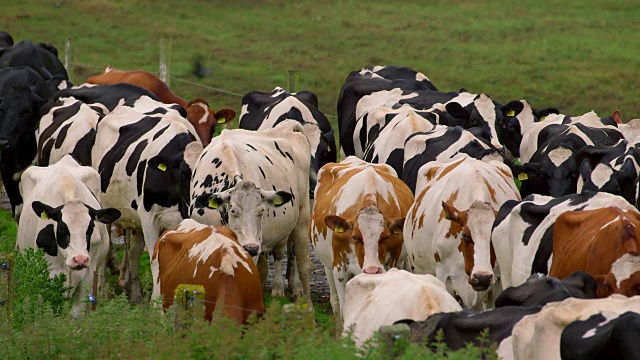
{"x":216,"y":242}
{"x":611,"y":222}
{"x":608,"y":317}
{"x":624,"y":267}
{"x":463,"y":98}
{"x":371,"y":224}
{"x":559,"y":156}
{"x":277,"y":92}
{"x":480,"y":220}
{"x":63,"y":85}
{"x":108,"y":69}
{"x":204,"y":117}
{"x":244,"y":111}
{"x":601,"y":174}
{"x":377,"y":68}
{"x":213,"y":270}
{"x":421,"y":77}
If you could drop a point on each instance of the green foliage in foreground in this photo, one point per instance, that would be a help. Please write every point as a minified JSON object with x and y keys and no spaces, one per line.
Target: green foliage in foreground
{"x":119,"y":330}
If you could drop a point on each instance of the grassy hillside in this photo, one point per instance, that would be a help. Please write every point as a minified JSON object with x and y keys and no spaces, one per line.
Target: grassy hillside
{"x":573,"y":55}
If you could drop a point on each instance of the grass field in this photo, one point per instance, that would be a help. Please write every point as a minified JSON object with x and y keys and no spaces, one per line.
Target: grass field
{"x":573,"y":55}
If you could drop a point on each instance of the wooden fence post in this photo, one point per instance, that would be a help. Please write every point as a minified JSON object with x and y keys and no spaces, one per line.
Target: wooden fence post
{"x":293,"y":80}
{"x":6,"y":293}
{"x":189,"y":303}
{"x":165,"y":52}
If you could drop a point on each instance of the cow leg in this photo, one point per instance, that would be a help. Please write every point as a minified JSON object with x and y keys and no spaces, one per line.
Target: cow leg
{"x":133,"y":285}
{"x":300,"y":240}
{"x":335,"y":304}
{"x":122,"y":279}
{"x":263,"y":269}
{"x":291,"y":270}
{"x":278,"y":280}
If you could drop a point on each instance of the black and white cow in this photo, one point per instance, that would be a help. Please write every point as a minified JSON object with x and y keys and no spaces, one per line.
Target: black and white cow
{"x":262,"y":110}
{"x":613,"y":169}
{"x":257,"y":183}
{"x":41,"y":57}
{"x":553,"y":169}
{"x":62,"y":210}
{"x":441,"y":143}
{"x":517,"y":117}
{"x":602,"y":336}
{"x":540,"y":289}
{"x":145,"y":163}
{"x":522,"y":234}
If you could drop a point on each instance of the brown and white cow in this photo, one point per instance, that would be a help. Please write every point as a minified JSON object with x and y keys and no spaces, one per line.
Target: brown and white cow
{"x":356,"y":223}
{"x":199,"y":114}
{"x":213,"y":258}
{"x":448,"y":228}
{"x":604,"y":243}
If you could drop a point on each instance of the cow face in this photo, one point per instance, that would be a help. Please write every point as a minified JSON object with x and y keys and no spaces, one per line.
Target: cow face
{"x":372,"y":235}
{"x":71,"y":238}
{"x":242,"y":209}
{"x":624,"y":277}
{"x":481,"y":113}
{"x":204,"y":119}
{"x":19,"y":115}
{"x":603,"y":177}
{"x":475,"y":244}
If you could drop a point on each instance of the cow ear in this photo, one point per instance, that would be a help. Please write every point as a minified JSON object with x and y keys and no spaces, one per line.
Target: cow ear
{"x":211,"y":201}
{"x":456,"y":110}
{"x":452,"y":214}
{"x":277,"y":198}
{"x":543,"y":113}
{"x":617,"y":116}
{"x":106,"y":216}
{"x":337,"y":224}
{"x":396,"y":225}
{"x":46,"y":212}
{"x":512,"y":109}
{"x":224,"y":116}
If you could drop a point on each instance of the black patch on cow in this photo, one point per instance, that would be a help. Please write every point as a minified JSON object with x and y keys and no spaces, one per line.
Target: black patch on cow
{"x":274,"y":213}
{"x":62,"y":135}
{"x":134,"y":158}
{"x":543,"y":253}
{"x":63,"y":236}
{"x":82,"y":151}
{"x":45,"y":154}
{"x":262,"y":172}
{"x":140,"y":176}
{"x":208,"y":181}
{"x":46,"y":240}
{"x":278,"y":148}
{"x":249,"y":145}
{"x":269,"y":160}
{"x":134,"y":204}
{"x":90,"y":229}
{"x":160,"y":132}
{"x":216,"y":161}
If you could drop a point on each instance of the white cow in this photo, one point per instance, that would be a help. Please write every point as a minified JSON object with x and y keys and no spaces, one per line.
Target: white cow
{"x":62,"y":205}
{"x":372,"y":301}
{"x":257,"y":183}
{"x":448,"y":228}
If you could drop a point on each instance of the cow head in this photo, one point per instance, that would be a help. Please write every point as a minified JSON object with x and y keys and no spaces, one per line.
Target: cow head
{"x":371,"y":234}
{"x":603,"y":177}
{"x":74,"y":226}
{"x":482,"y":112}
{"x":623,"y":278}
{"x":474,"y":227}
{"x":204,"y":119}
{"x":242,"y":209}
{"x":19,"y":115}
{"x":555,"y":174}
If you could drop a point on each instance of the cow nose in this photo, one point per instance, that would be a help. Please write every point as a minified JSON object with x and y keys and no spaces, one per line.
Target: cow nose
{"x":252,"y":249}
{"x":81,"y":261}
{"x":480,"y":282}
{"x":372,"y":270}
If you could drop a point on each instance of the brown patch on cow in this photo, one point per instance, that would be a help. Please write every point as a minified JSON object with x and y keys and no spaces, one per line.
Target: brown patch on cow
{"x":431,"y":173}
{"x":436,"y":256}
{"x":492,"y":191}
{"x":450,"y":168}
{"x":507,"y":174}
{"x":452,"y":198}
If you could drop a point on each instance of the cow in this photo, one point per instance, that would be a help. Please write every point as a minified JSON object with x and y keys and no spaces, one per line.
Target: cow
{"x":613,"y":169}
{"x":203,"y":118}
{"x":415,"y":297}
{"x":145,"y":163}
{"x":357,"y":223}
{"x":465,"y":327}
{"x":552,"y":169}
{"x":604,"y":243}
{"x":262,"y":110}
{"x":389,"y":146}
{"x":448,"y":228}
{"x":538,"y":336}
{"x":63,"y":207}
{"x":41,"y":57}
{"x":517,"y":117}
{"x":440,"y":144}
{"x":602,"y":336}
{"x":522,"y":233}
{"x":541,"y":289}
{"x":213,"y":258}
{"x":6,"y":40}
{"x":257,"y":184}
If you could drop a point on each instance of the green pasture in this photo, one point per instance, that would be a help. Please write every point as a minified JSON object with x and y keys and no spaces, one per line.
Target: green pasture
{"x":574,"y":55}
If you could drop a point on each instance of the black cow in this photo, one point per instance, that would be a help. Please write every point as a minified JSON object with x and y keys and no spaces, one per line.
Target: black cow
{"x":517,"y":116}
{"x":613,"y":169}
{"x":602,"y":336}
{"x":460,"y":328}
{"x":41,"y":57}
{"x":262,"y":110}
{"x":541,"y":289}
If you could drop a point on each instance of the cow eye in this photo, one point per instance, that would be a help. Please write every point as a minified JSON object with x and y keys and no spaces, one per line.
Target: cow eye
{"x":466,"y":238}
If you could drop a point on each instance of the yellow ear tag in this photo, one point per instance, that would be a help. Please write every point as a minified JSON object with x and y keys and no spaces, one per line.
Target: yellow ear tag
{"x":523,"y":176}
{"x":222,"y":120}
{"x":397,"y":231}
{"x":542,"y":118}
{"x":162,"y":167}
{"x":328,"y":148}
{"x":213,"y":204}
{"x":277,"y":201}
{"x":511,"y":113}
{"x":44,"y":216}
{"x":338,"y":229}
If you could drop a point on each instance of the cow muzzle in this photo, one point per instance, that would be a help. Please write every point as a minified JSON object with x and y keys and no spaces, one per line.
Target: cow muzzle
{"x":79,"y":262}
{"x":252,"y":249}
{"x":480,"y":282}
{"x":372,"y":270}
